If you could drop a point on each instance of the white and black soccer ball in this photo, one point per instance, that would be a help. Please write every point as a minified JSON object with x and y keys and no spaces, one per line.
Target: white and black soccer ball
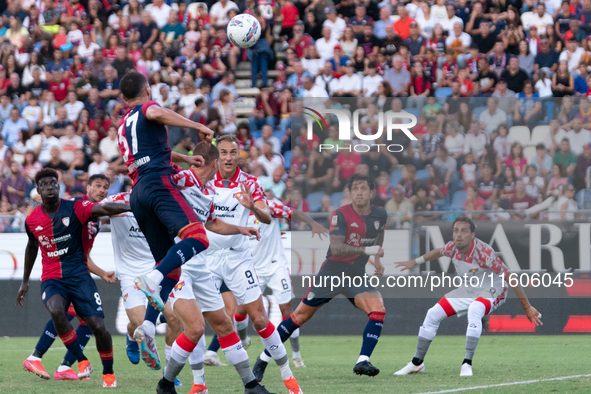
{"x":244,"y":30}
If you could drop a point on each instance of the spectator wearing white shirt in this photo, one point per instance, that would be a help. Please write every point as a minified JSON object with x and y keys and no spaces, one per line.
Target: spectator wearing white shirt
{"x":454,"y":140}
{"x":87,"y":47}
{"x":269,"y":160}
{"x":98,"y":166}
{"x":540,"y":19}
{"x":160,"y":12}
{"x":371,"y":81}
{"x":350,"y":84}
{"x":312,"y":61}
{"x":337,"y":25}
{"x":219,"y":12}
{"x":267,"y":137}
{"x":493,"y":117}
{"x":109,"y":146}
{"x":42,"y":143}
{"x":450,"y":20}
{"x":327,"y":80}
{"x":578,"y":136}
{"x":572,"y":54}
{"x":69,"y":143}
{"x":73,"y":106}
{"x":310,"y":89}
{"x":457,"y":34}
{"x":476,"y":140}
{"x":326,"y":44}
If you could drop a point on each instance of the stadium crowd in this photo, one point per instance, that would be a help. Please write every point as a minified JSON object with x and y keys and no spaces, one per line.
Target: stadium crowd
{"x":499,"y":87}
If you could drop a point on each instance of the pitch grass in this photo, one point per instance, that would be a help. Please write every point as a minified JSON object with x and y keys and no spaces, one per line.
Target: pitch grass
{"x":330,"y":360}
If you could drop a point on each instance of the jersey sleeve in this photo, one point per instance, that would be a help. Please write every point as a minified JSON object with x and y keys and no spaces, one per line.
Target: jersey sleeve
{"x":83,"y":210}
{"x":183,"y":179}
{"x":148,"y":105}
{"x":29,"y":233}
{"x":489,"y":259}
{"x":448,"y":249}
{"x":257,"y":191}
{"x":338,"y":224}
{"x":279,"y":210}
{"x":212,"y":217}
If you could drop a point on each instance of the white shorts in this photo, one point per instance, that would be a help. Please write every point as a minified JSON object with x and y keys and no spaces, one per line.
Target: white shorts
{"x":132,"y":297}
{"x":279,"y":282}
{"x":196,"y":283}
{"x":459,"y":300}
{"x":236,"y":270}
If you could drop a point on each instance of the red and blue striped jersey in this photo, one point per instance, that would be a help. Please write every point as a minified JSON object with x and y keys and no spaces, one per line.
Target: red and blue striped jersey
{"x":359,"y":231}
{"x":93,"y":227}
{"x":61,"y":236}
{"x":144,"y":144}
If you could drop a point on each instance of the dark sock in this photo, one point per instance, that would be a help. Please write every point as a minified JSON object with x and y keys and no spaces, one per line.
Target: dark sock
{"x":84,"y":333}
{"x":214,"y":346}
{"x":372,"y":333}
{"x":251,"y":385}
{"x":107,"y":360}
{"x":167,"y":284}
{"x":179,"y":254}
{"x":166,"y":384}
{"x":73,"y":344}
{"x":285,"y":329}
{"x":466,"y":361}
{"x":417,"y":361}
{"x":47,"y":338}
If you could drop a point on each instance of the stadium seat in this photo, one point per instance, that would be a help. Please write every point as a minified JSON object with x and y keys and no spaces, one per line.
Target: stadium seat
{"x":415,"y":111}
{"x":336,"y":198}
{"x":529,"y":153}
{"x":287,"y":159}
{"x":279,"y":134}
{"x":423,"y":175}
{"x":477,"y":111}
{"x":443,"y":204}
{"x":314,"y":200}
{"x":549,"y":112}
{"x":395,"y":178}
{"x":256,"y":134}
{"x":520,"y":134}
{"x":538,"y":135}
{"x":458,"y":199}
{"x":443,"y":92}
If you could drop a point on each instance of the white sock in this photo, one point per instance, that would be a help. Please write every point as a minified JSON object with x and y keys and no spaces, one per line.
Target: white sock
{"x":199,"y":376}
{"x":265,"y":358}
{"x":362,"y":358}
{"x":63,"y":368}
{"x":210,"y":353}
{"x":150,"y":327}
{"x":167,"y":351}
{"x":296,"y":355}
{"x":155,"y":276}
{"x":285,"y":371}
{"x":242,"y":325}
{"x":277,"y":350}
{"x":33,"y":358}
{"x":198,"y":353}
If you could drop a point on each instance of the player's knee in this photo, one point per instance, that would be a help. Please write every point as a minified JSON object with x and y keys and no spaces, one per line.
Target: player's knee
{"x":260,"y":321}
{"x":434,"y":315}
{"x":195,"y":231}
{"x":58,"y":317}
{"x":477,"y":310}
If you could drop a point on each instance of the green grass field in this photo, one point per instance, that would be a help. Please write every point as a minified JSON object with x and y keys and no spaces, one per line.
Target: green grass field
{"x":329,"y":360}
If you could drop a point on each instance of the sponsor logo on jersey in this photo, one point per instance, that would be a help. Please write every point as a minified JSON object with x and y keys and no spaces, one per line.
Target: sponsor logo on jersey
{"x":224,"y":208}
{"x":311,"y":296}
{"x":57,"y":253}
{"x":354,"y":238}
{"x":354,"y":224}
{"x":39,"y":228}
{"x":335,"y":219}
{"x":179,"y":286}
{"x":43,"y":296}
{"x":133,"y":229}
{"x":44,"y":240}
{"x":66,"y":221}
{"x":376,"y":224}
{"x":85,"y":203}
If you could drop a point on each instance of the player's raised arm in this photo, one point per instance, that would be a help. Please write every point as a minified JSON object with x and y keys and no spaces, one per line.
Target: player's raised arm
{"x":432,"y":255}
{"x":196,"y":160}
{"x":220,"y":227}
{"x":259,"y":208}
{"x":171,"y":118}
{"x":109,"y":208}
{"x":30,"y":256}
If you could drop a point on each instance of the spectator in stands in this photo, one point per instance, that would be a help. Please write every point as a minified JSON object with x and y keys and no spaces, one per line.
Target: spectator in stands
{"x":583,"y":163}
{"x":379,"y":27}
{"x":429,"y":144}
{"x":372,"y":81}
{"x":409,"y":183}
{"x":424,"y":203}
{"x":376,"y":162}
{"x":475,"y":140}
{"x":398,"y":77}
{"x":70,"y":142}
{"x":87,"y":82}
{"x":454,"y":139}
{"x":350,"y":84}
{"x":535,"y":186}
{"x":559,"y":178}
{"x":56,"y":161}
{"x":485,"y":80}
{"x":94,"y":103}
{"x":225,"y":107}
{"x":98,"y":165}
{"x":98,"y":64}
{"x":336,"y":24}
{"x":270,"y":160}
{"x":521,"y":200}
{"x":346,"y":163}
{"x":578,"y":137}
{"x":226,"y":83}
{"x":514,"y":75}
{"x":30,"y":166}
{"x":566,"y":157}
{"x":320,"y":172}
{"x":528,"y":107}
{"x":493,"y":117}
{"x":488,"y":186}
{"x":5,"y":108}
{"x":400,"y":209}
{"x":474,"y":202}
{"x":109,"y":88}
{"x":446,"y":165}
{"x":572,"y":54}
{"x":312,"y":27}
{"x":327,"y":80}
{"x":507,"y":183}
{"x":563,"y":82}
{"x":274,"y":182}
{"x":267,"y":136}
{"x":459,"y":42}
{"x":516,"y":159}
{"x":14,"y":187}
{"x":566,"y":204}
{"x":12,"y":126}
{"x":526,"y":58}
{"x":585,"y":113}
{"x":310,"y":89}
{"x":502,"y":143}
{"x":265,"y":111}
{"x":546,"y":57}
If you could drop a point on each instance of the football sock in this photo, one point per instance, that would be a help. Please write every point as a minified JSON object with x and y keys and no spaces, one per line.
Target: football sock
{"x":179,"y":254}
{"x":467,"y":361}
{"x":167,"y":285}
{"x":196,"y":362}
{"x":285,"y":330}
{"x":241,"y":325}
{"x":181,"y":349}
{"x":294,"y":340}
{"x":84,"y":334}
{"x":167,"y":352}
{"x":107,"y":360}
{"x":71,"y":342}
{"x":428,"y":331}
{"x":46,"y":339}
{"x":214,"y":346}
{"x":476,"y":312}
{"x":371,"y":335}
{"x":274,"y":344}
{"x":237,"y":356}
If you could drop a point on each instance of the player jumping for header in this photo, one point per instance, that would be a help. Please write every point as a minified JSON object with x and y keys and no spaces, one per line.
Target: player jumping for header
{"x":356,"y":232}
{"x":159,"y":207}
{"x":59,"y":228}
{"x":471,"y":257}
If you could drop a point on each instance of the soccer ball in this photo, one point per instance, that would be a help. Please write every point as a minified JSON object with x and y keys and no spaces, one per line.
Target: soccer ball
{"x":244,"y":30}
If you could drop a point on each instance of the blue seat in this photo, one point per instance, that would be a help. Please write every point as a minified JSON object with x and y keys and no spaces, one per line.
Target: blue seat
{"x":423,"y":175}
{"x":287,"y":159}
{"x":442,"y":93}
{"x":443,"y":204}
{"x":395,"y":178}
{"x":458,"y":199}
{"x":336,"y":198}
{"x":549,"y":112}
{"x":478,"y":110}
{"x":279,"y":134}
{"x":256,"y":134}
{"x":314,"y":200}
{"x":415,"y":111}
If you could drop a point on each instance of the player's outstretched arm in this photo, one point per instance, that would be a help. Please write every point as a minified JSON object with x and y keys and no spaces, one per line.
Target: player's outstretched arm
{"x":171,"y":118}
{"x":532,"y":313}
{"x":432,"y":255}
{"x":316,"y":227}
{"x":196,"y":161}
{"x":108,"y":277}
{"x":30,"y":257}
{"x":220,"y":227}
{"x":109,"y":208}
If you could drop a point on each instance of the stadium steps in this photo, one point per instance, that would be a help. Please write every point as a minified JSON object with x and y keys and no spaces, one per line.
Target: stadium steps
{"x":246,"y":74}
{"x":248,"y":92}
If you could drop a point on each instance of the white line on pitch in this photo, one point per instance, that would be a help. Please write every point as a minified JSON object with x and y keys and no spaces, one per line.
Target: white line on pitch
{"x":508,"y":384}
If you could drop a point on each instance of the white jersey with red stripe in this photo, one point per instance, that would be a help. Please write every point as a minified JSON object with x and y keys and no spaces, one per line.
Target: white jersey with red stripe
{"x":131,"y":250}
{"x":199,"y":196}
{"x":481,"y":261}
{"x":229,"y":209}
{"x":268,"y":254}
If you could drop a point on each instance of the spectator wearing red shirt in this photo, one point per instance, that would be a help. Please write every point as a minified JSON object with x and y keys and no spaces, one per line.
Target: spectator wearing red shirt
{"x":474,"y":203}
{"x":265,"y":112}
{"x":420,"y":85}
{"x":346,"y":162}
{"x":59,"y":86}
{"x":402,"y":25}
{"x":100,"y":123}
{"x":288,"y":17}
{"x":4,"y":82}
{"x":521,"y":200}
{"x":299,"y":42}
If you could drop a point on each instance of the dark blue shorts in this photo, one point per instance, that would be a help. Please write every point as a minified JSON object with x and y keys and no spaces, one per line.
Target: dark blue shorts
{"x":80,"y":291}
{"x":161,"y":212}
{"x":224,"y":288}
{"x":319,"y":295}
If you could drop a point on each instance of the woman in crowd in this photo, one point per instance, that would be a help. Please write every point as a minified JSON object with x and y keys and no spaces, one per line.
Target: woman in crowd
{"x":516,"y":159}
